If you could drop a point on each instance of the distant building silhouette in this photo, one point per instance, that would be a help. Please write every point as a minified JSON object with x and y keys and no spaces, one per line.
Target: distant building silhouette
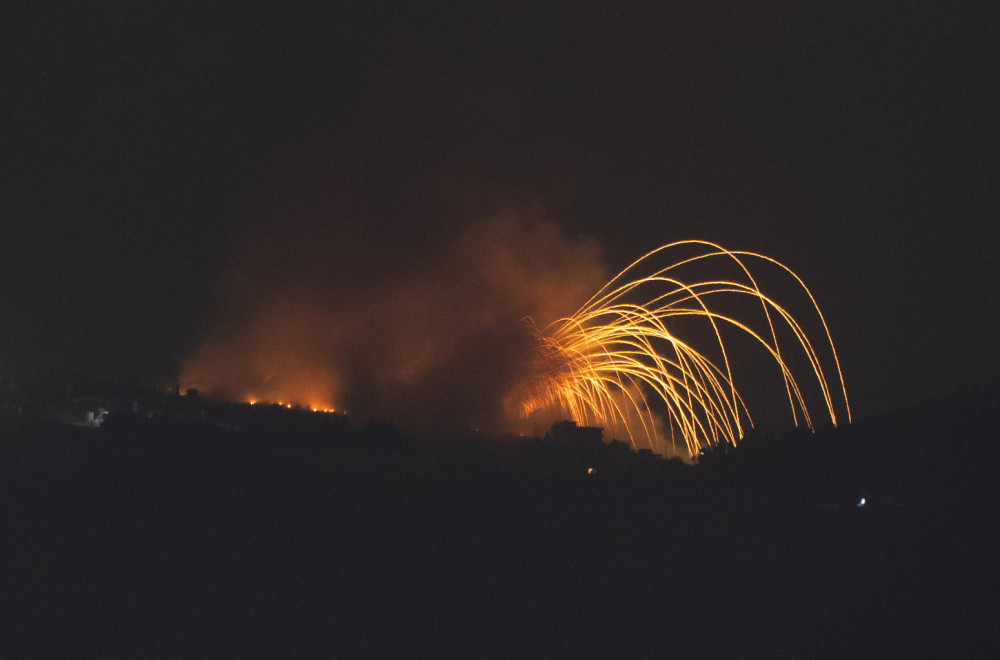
{"x":569,"y":433}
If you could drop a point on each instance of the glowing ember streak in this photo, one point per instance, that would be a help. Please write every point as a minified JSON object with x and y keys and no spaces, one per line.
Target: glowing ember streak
{"x":616,"y":363}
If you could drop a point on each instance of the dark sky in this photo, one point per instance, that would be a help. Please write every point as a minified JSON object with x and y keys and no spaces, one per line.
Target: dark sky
{"x":150,"y":150}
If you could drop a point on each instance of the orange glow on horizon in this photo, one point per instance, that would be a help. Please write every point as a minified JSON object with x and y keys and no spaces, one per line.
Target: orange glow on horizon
{"x":312,"y":407}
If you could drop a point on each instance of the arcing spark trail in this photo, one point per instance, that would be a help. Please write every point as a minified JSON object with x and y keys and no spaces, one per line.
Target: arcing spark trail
{"x":617,"y":363}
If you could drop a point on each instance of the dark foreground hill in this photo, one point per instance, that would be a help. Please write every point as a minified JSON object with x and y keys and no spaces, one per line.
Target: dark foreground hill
{"x":206,"y":541}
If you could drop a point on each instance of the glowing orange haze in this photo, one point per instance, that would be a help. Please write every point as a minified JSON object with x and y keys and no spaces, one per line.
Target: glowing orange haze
{"x":426,"y":333}
{"x":270,"y":363}
{"x":431,"y":332}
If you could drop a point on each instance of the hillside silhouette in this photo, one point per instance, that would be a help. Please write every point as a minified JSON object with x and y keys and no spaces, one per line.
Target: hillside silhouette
{"x":286,"y":532}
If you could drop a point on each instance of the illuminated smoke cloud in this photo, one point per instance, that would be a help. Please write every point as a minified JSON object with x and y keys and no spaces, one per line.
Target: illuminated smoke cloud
{"x":423,"y":330}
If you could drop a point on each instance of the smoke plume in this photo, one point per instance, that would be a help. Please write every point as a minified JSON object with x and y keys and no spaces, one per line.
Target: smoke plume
{"x":421,"y":323}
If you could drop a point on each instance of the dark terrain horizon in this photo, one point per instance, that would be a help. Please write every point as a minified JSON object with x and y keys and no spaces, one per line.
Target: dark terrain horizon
{"x":196,"y":538}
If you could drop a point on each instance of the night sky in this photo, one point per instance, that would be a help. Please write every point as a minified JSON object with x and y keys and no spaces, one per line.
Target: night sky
{"x":176,"y":179}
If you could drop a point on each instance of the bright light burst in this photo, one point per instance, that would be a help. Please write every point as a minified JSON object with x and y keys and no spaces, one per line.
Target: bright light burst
{"x":617,"y":363}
